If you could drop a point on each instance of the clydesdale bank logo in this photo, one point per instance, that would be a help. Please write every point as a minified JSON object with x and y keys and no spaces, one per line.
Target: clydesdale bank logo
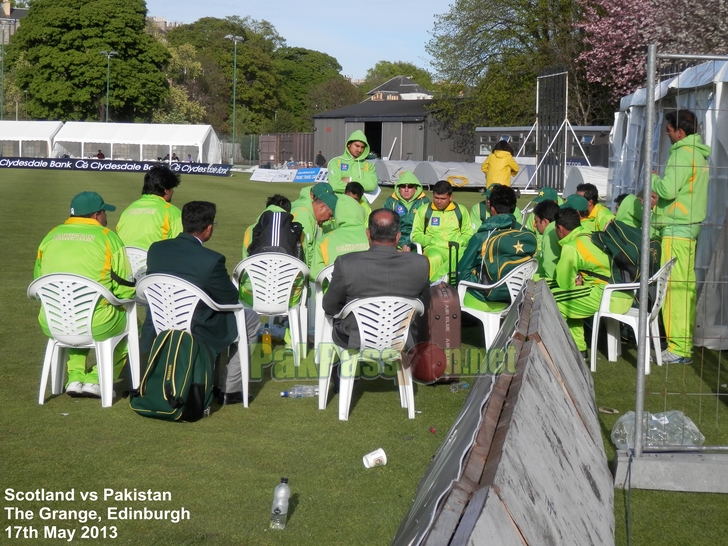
{"x":374,"y":364}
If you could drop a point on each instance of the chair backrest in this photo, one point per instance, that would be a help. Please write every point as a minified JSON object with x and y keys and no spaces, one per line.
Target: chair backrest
{"x":272,"y":276}
{"x":324,"y":277}
{"x":518,"y":277}
{"x":660,"y":279}
{"x":68,"y":302}
{"x":172,"y":301}
{"x":138,"y":260}
{"x":383,"y":322}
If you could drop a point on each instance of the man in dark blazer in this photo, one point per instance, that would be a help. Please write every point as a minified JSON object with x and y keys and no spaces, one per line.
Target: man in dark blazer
{"x":379,"y":271}
{"x":186,"y":257}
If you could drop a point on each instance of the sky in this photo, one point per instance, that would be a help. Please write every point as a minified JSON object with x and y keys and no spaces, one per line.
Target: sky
{"x":358,"y":35}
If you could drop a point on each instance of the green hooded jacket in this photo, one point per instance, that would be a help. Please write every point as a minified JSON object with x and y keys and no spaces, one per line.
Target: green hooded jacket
{"x":630,"y":212}
{"x":406,"y":209}
{"x":350,"y":235}
{"x":359,"y":170}
{"x":148,"y":220}
{"x":683,"y":192}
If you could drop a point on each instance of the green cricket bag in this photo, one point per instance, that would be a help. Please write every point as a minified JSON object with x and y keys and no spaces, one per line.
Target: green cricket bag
{"x":177,"y":385}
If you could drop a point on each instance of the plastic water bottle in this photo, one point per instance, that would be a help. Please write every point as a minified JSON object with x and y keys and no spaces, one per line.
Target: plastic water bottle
{"x":279,"y":510}
{"x":266,"y":340}
{"x":459,"y":386}
{"x":301,"y":391}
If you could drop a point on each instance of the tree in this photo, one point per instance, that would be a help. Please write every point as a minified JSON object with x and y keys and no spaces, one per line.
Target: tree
{"x":385,"y":70}
{"x":178,"y":108}
{"x":617,"y":35}
{"x":493,"y":51}
{"x":57,"y":52}
{"x":335,"y":93}
{"x":299,"y":71}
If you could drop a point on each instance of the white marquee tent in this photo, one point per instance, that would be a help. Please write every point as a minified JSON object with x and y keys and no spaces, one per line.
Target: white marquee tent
{"x":27,"y":138}
{"x":138,"y":142}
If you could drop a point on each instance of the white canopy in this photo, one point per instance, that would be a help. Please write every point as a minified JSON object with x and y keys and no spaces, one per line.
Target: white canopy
{"x":27,"y":138}
{"x":138,"y":141}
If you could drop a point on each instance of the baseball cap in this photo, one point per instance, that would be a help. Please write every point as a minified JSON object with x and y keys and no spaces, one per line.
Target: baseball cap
{"x":88,"y":202}
{"x":490,"y":188}
{"x":546,"y":194}
{"x":325,"y":193}
{"x":576,"y":202}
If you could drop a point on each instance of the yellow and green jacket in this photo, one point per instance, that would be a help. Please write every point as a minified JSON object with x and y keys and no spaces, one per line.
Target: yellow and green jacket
{"x":350,"y":235}
{"x":406,"y":210}
{"x":148,"y":220}
{"x":683,"y":191}
{"x":359,"y":169}
{"x":84,"y":247}
{"x":598,"y":218}
{"x":443,"y":227}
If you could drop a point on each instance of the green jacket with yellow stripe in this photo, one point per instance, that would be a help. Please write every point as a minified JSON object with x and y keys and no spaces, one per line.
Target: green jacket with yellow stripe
{"x":499,"y":245}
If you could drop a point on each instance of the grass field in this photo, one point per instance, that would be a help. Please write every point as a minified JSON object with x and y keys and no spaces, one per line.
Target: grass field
{"x":223,"y":469}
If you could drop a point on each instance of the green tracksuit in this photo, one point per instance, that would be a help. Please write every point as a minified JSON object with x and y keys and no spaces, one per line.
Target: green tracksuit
{"x":499,"y":245}
{"x":302,"y":210}
{"x":442,"y":228}
{"x":248,"y":235}
{"x":681,"y":208}
{"x":148,"y":220}
{"x":359,"y":169}
{"x":598,"y":218}
{"x":406,"y":209}
{"x":85,"y":247}
{"x":579,"y":256}
{"x":549,"y":252}
{"x":350,"y":235}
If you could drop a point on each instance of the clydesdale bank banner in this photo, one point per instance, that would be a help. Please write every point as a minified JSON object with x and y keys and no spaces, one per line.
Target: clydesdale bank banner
{"x":108,"y":165}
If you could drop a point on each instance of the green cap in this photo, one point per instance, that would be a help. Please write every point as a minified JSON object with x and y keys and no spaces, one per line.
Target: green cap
{"x":325,"y":193}
{"x":546,"y":194}
{"x":88,"y":202}
{"x":489,"y":188}
{"x":576,"y":202}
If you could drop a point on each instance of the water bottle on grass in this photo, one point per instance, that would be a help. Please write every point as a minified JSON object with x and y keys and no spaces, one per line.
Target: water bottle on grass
{"x":459,"y":386}
{"x":301,"y":391}
{"x":279,"y":510}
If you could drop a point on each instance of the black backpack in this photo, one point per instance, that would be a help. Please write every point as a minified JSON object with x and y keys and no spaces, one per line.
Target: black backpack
{"x":177,"y":384}
{"x":277,"y":232}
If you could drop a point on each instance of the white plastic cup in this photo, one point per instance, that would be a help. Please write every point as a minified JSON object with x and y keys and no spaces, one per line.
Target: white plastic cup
{"x":375,"y":458}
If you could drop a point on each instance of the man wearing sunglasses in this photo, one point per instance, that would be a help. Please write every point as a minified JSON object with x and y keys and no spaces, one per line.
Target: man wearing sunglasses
{"x":408,"y":196}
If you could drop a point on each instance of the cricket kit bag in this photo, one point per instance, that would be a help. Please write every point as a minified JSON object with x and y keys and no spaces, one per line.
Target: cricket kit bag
{"x":177,"y":384}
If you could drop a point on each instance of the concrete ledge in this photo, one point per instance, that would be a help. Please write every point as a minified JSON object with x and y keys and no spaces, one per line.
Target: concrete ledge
{"x":693,"y":472}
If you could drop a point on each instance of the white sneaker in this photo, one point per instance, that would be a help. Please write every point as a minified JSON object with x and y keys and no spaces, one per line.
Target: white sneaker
{"x":74,"y":388}
{"x":671,"y":358}
{"x":91,"y":390}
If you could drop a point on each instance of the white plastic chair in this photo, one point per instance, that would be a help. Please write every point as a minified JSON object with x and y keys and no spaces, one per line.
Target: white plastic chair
{"x":324,"y":276}
{"x":514,"y":281}
{"x":138,"y":260}
{"x":383,"y":324}
{"x":68,"y":302}
{"x":272,"y":277}
{"x":172,"y":302}
{"x":631,"y":319}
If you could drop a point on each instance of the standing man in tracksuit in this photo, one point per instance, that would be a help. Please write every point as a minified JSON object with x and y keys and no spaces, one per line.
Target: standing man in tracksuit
{"x":682,"y":197}
{"x":83,"y":245}
{"x":352,"y":165}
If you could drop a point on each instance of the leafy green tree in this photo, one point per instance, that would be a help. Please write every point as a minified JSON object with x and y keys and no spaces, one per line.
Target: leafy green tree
{"x":495,"y":50}
{"x":385,"y":70}
{"x":257,"y":82}
{"x":332,"y":94}
{"x":57,"y":52}
{"x":178,"y":108}
{"x":299,"y":71}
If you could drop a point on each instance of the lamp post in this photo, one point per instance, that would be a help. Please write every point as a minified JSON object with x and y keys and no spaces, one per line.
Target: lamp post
{"x":235,"y":40}
{"x":108,"y":54}
{"x":3,"y":23}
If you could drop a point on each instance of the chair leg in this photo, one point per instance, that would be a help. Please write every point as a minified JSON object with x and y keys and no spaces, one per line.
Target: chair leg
{"x":134,"y":358}
{"x":49,"y":368}
{"x":326,"y":351}
{"x":409,"y":391}
{"x":244,"y":355}
{"x":347,"y":371}
{"x":58,"y":361}
{"x":613,"y":339}
{"x":105,"y":367}
{"x":491,"y":326}
{"x":402,"y":385}
{"x":319,"y":323}
{"x":655,"y":328}
{"x":594,"y":343}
